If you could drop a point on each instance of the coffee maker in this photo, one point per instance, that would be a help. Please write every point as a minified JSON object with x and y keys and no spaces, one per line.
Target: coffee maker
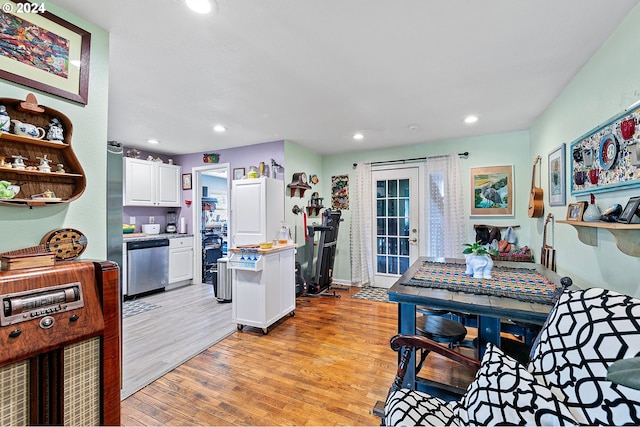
{"x":171,"y":222}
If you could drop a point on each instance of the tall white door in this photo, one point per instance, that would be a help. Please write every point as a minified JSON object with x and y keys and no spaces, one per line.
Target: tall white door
{"x":396,"y":213}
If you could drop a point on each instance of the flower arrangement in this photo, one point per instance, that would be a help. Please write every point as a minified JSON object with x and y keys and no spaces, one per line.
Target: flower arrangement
{"x":479,"y":249}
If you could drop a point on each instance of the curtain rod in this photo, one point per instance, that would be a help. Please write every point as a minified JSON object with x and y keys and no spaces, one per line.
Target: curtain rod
{"x":415,"y":159}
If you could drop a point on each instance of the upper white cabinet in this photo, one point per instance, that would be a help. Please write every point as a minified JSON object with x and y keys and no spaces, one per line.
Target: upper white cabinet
{"x":257,"y":210}
{"x":149,"y":183}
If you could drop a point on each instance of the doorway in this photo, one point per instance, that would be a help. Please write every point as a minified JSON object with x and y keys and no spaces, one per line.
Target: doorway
{"x":397,"y":216}
{"x":211,"y":192}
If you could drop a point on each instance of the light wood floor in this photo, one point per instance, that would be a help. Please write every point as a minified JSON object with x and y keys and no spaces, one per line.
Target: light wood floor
{"x":326,"y":366}
{"x":188,"y":321}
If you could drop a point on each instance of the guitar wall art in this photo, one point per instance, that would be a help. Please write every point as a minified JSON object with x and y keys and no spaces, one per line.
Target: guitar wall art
{"x":607,"y":158}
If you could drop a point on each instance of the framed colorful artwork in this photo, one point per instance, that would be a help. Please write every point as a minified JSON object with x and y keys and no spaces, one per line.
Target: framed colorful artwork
{"x":557,"y":180}
{"x":186,"y":181}
{"x":56,"y":61}
{"x":492,"y":191}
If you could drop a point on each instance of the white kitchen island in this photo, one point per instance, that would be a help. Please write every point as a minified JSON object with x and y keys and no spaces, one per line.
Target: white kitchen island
{"x":263,"y":285}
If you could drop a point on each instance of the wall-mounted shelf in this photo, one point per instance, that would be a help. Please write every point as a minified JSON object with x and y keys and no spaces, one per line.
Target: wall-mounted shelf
{"x":314,"y":210}
{"x":627,"y":235}
{"x":67,"y":186}
{"x":302,"y":188}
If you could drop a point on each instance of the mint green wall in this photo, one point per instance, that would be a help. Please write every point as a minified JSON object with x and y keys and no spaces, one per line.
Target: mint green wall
{"x":607,"y":85}
{"x":300,"y":159}
{"x":493,"y":150}
{"x":23,"y":227}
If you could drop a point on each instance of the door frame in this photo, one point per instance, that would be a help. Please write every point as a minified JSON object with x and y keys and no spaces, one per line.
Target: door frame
{"x":421,"y":205}
{"x":196,"y":212}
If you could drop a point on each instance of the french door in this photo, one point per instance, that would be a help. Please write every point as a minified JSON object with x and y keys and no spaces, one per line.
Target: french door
{"x":396,"y":214}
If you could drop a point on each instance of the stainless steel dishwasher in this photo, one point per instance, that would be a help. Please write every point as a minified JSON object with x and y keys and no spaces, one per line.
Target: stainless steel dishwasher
{"x":147,"y":266}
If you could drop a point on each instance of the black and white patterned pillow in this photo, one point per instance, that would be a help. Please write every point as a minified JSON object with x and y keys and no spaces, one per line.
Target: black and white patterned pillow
{"x":406,"y":407}
{"x":587,"y":331}
{"x":505,"y":393}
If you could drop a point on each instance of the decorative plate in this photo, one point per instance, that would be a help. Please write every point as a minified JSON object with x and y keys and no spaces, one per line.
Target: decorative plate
{"x":608,"y":151}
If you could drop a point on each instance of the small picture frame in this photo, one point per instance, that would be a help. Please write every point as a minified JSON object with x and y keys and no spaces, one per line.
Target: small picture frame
{"x":186,"y":181}
{"x":575,"y":211}
{"x":630,"y":210}
{"x":238,"y":173}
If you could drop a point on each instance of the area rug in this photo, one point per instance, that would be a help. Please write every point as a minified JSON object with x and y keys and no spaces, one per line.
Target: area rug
{"x":133,"y":307}
{"x":372,"y":294}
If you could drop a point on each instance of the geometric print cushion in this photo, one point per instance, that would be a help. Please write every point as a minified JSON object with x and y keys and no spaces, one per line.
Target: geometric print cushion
{"x":586,"y":332}
{"x":406,"y":407}
{"x":505,"y":393}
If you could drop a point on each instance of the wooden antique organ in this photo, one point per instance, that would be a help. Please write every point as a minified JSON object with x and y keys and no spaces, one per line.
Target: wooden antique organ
{"x":60,"y":345}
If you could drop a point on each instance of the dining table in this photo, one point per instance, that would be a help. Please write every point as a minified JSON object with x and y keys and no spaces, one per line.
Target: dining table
{"x":518,"y":291}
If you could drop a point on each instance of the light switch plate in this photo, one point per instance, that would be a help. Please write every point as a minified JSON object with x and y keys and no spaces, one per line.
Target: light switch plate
{"x":152,"y":220}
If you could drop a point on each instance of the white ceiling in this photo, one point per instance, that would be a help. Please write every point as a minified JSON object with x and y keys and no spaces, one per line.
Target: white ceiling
{"x":316,"y":71}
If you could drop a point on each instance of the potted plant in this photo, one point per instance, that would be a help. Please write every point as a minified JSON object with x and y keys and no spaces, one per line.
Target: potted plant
{"x":479,"y":262}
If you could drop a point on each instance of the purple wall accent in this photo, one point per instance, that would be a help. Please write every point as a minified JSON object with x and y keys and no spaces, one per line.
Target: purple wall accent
{"x":240,"y":157}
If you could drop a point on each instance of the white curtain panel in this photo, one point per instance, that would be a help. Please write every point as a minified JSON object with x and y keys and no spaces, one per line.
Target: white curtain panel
{"x":361,"y":227}
{"x":444,"y":208}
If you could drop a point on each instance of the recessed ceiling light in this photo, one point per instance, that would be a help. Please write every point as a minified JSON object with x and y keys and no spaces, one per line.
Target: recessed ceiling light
{"x":153,"y":141}
{"x":358,"y":136}
{"x":470,"y":119}
{"x":199,"y":6}
{"x":219,"y":128}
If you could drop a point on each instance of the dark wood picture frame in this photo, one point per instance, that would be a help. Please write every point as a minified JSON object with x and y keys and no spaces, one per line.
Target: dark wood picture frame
{"x":575,"y":211}
{"x":629,"y":210}
{"x":186,"y":181}
{"x":75,"y":86}
{"x":238,"y":173}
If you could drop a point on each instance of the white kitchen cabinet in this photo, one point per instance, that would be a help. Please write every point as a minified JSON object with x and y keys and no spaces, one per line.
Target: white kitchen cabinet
{"x":257,"y":210}
{"x":180,"y":259}
{"x":149,"y":183}
{"x":263,"y":290}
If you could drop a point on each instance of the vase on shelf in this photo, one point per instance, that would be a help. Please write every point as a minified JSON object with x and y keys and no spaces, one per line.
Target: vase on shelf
{"x":592,"y":213}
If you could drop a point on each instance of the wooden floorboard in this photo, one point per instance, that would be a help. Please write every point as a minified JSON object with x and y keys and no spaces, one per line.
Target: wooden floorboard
{"x":327,"y":365}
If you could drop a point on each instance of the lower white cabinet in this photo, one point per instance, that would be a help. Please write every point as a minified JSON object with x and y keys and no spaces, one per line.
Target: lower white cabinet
{"x":180,"y":259}
{"x":263,"y":289}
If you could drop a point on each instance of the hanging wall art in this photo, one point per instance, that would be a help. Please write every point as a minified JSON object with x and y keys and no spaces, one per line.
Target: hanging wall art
{"x":340,"y":192}
{"x":608,"y":157}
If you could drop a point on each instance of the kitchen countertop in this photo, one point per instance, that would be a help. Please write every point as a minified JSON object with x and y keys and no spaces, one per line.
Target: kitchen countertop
{"x":136,"y":237}
{"x":275,"y":248}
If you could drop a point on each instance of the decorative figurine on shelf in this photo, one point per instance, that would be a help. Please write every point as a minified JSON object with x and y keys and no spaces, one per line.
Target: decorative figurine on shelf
{"x":55,"y":132}
{"x":133,"y":153}
{"x":29,"y":130}
{"x":44,"y":164}
{"x":592,"y":213}
{"x":4,"y":164}
{"x":150,"y":158}
{"x":5,"y":120}
{"x":60,"y":168}
{"x":18,"y":161}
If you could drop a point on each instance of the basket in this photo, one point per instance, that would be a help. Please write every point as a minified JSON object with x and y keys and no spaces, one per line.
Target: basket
{"x":519,"y":256}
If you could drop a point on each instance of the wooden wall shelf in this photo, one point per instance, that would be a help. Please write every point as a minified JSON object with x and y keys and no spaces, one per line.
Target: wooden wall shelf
{"x":627,"y":235}
{"x":294,"y":187}
{"x":314,"y":210}
{"x":67,"y":186}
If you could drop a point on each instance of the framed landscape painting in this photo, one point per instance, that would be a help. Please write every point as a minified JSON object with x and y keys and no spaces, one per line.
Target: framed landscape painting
{"x":492,"y":191}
